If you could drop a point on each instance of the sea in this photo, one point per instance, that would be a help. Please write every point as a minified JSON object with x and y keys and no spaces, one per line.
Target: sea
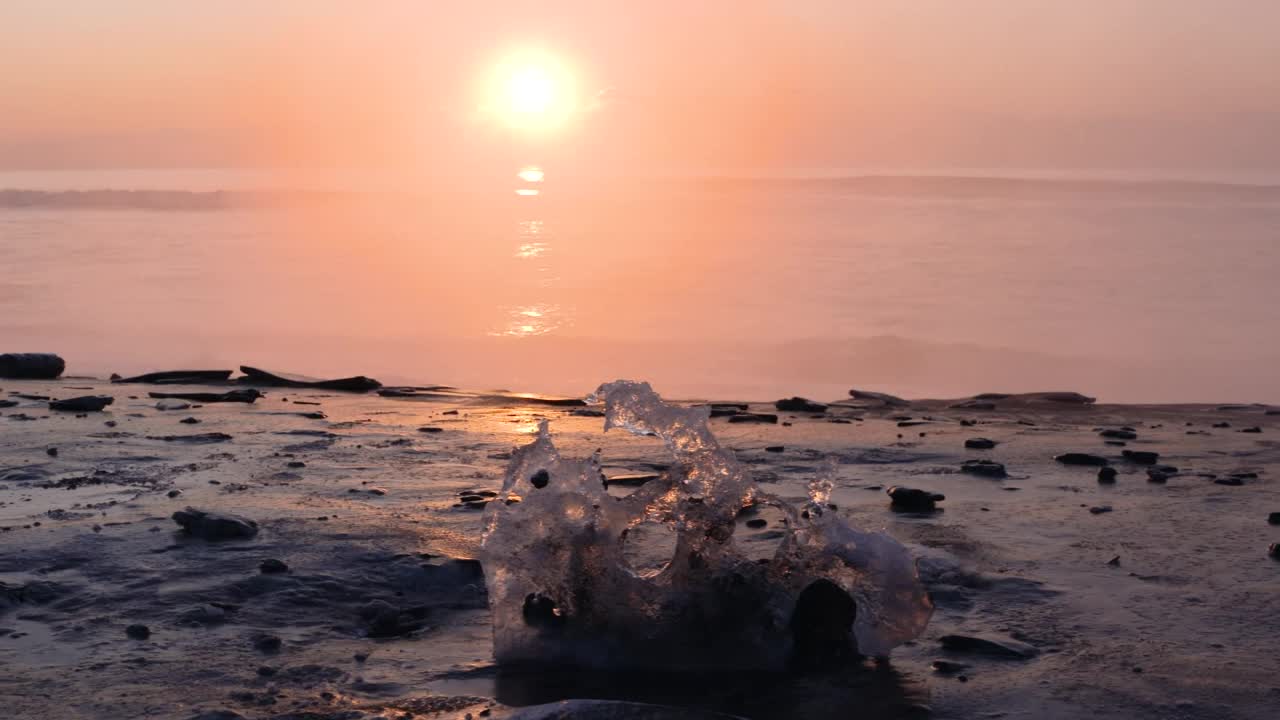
{"x":1127,"y":287}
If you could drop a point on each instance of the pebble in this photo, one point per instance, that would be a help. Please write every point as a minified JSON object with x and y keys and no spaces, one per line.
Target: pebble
{"x":1142,"y":457}
{"x":1274,"y":518}
{"x":52,"y":452}
{"x":272,"y":566}
{"x":190,"y":421}
{"x":1099,"y":509}
{"x":1107,"y":475}
{"x":138,"y":632}
{"x":984,"y":468}
{"x":1119,"y":434}
{"x":1075,"y":458}
{"x":757,"y":523}
{"x":979,"y":444}
{"x":912,"y":499}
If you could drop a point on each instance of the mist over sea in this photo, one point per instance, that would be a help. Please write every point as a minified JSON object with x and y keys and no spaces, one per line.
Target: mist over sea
{"x":1134,"y":290}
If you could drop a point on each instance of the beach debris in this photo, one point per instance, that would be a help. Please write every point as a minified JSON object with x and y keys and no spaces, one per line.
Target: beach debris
{"x":1076,"y":458}
{"x":198,"y":438}
{"x":979,"y":444}
{"x":799,"y":404}
{"x":242,"y":396}
{"x":172,"y":404}
{"x":272,"y":566}
{"x":177,"y":377}
{"x":86,"y":403}
{"x":562,"y":591}
{"x":1120,"y":434}
{"x":984,"y":468}
{"x":987,"y":645}
{"x":1107,"y":475}
{"x":1141,"y":457}
{"x":913,"y":500}
{"x":882,"y":398}
{"x":215,"y":526}
{"x":31,"y":366}
{"x":748,"y":417}
{"x":256,"y":376}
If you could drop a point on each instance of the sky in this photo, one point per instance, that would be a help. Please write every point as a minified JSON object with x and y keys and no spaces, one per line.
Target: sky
{"x":671,"y":85}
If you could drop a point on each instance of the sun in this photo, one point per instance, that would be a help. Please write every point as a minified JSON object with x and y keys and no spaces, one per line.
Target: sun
{"x":532,"y":91}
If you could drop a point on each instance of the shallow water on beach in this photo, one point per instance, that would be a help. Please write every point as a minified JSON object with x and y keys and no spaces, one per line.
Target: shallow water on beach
{"x":749,"y":288}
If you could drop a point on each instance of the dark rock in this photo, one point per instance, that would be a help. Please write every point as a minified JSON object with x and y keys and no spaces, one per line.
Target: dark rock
{"x":1099,"y":509}
{"x":911,"y":423}
{"x":52,"y":452}
{"x":913,"y":500}
{"x":176,"y":377}
{"x":359,"y":383}
{"x":995,"y":647}
{"x":775,"y":448}
{"x":198,"y":438}
{"x":821,"y":625}
{"x":756,"y":523}
{"x":1255,"y":429}
{"x":1274,"y":550}
{"x":1075,"y":458}
{"x":430,"y":430}
{"x":4,"y":403}
{"x":272,"y":566}
{"x":947,"y":667}
{"x":984,"y":468}
{"x":1161,"y":473}
{"x":754,"y":418}
{"x":248,"y":395}
{"x":138,"y":632}
{"x":1114,"y":562}
{"x":215,"y":526}
{"x":1141,"y":457}
{"x":174,"y":493}
{"x":882,"y":398}
{"x":1231,"y":481}
{"x":266,"y":671}
{"x":726,"y":410}
{"x":190,"y":421}
{"x":87,"y":403}
{"x":218,"y":715}
{"x":799,"y":404}
{"x":1222,"y":425}
{"x":296,"y":464}
{"x":1107,"y":475}
{"x":386,"y":620}
{"x":540,"y":479}
{"x":268,"y":644}
{"x":1274,"y":518}
{"x":979,"y":444}
{"x":1119,"y":434}
{"x":31,"y":366}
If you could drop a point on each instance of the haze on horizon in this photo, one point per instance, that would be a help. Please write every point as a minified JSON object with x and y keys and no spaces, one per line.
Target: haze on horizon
{"x":1170,"y":85}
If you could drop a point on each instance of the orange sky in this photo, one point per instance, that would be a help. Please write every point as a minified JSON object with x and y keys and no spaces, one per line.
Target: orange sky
{"x":682,"y":85}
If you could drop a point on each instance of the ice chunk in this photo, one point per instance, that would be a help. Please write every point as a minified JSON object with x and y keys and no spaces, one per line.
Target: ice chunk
{"x":562,"y":592}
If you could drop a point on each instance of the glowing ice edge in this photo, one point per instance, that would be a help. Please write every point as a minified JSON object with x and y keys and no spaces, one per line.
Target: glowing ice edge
{"x":711,"y":607}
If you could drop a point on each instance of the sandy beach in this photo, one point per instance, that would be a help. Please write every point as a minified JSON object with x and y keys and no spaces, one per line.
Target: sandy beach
{"x":1152,"y":596}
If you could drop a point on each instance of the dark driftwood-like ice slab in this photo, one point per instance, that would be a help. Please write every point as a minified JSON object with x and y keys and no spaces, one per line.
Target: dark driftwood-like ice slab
{"x":256,"y":376}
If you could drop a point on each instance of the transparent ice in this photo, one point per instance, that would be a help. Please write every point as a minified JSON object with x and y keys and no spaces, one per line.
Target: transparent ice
{"x":562,"y":593}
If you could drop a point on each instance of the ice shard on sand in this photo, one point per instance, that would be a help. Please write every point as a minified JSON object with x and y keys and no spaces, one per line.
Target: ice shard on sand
{"x":562,"y":591}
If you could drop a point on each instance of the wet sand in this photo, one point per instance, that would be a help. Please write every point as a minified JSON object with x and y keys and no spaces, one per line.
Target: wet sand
{"x":1137,"y":599}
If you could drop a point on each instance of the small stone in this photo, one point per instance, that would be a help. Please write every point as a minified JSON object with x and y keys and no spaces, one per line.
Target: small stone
{"x":138,"y":632}
{"x":1231,"y":481}
{"x":1255,"y":430}
{"x":215,"y":526}
{"x":1107,"y":475}
{"x":775,"y":448}
{"x":979,"y":444}
{"x":269,"y":644}
{"x":266,"y":670}
{"x":1114,"y":562}
{"x":799,"y":404}
{"x":430,"y":430}
{"x":984,"y":468}
{"x":52,"y":452}
{"x":296,"y":464}
{"x":1142,"y":457}
{"x":1274,"y":518}
{"x":1099,"y":509}
{"x":1161,"y":473}
{"x":1075,"y":458}
{"x":914,"y":500}
{"x":1119,"y":434}
{"x":190,"y":421}
{"x":174,"y":493}
{"x":272,"y":566}
{"x":757,"y":523}
{"x":1274,"y":550}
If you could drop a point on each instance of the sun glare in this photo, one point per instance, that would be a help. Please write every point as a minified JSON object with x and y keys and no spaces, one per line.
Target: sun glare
{"x":532,"y":91}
